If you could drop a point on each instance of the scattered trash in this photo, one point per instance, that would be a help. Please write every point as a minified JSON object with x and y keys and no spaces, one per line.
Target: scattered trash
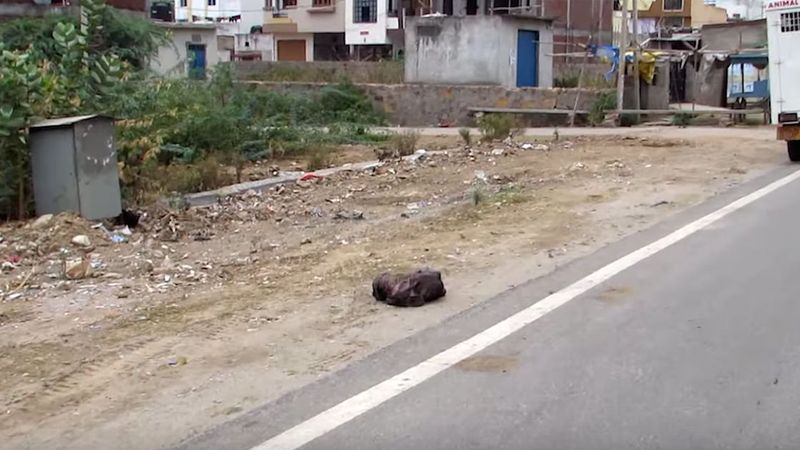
{"x":7,"y":266}
{"x":349,"y":215}
{"x":305,"y":241}
{"x":14,"y":259}
{"x":42,"y":221}
{"x":537,"y":147}
{"x":126,"y":231}
{"x":481,"y":176}
{"x":661,"y":203}
{"x":80,"y":269}
{"x":317,"y":212}
{"x":310,"y":177}
{"x":173,"y":361}
{"x":117,"y":238}
{"x":414,"y":289}
{"x":419,"y":155}
{"x":14,"y":296}
{"x":498,"y":152}
{"x":127,"y":218}
{"x":501,"y":179}
{"x":82,"y":240}
{"x":577,"y":166}
{"x":737,"y":171}
{"x":201,"y":235}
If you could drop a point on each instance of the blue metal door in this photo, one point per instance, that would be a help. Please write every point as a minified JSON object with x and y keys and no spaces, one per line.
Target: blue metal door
{"x":197,"y":61}
{"x":527,"y":58}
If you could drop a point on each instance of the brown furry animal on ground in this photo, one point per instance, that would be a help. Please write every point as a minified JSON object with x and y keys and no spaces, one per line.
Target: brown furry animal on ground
{"x":413,"y":289}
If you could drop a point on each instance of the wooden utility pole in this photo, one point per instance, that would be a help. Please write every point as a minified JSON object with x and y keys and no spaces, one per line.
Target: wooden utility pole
{"x":637,"y":101}
{"x":569,"y":24}
{"x":600,"y":22}
{"x":623,"y":45}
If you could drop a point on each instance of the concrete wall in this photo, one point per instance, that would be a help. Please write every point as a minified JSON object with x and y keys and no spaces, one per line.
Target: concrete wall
{"x":430,"y":105}
{"x":735,"y":35}
{"x":707,"y":85}
{"x":172,"y":59}
{"x":472,"y":50}
{"x":651,"y":96}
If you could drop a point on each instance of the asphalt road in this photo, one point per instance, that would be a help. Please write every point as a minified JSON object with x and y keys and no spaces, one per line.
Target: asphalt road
{"x":697,"y":346}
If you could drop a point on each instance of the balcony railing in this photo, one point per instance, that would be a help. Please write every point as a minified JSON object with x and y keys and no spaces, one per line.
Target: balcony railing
{"x":517,"y":7}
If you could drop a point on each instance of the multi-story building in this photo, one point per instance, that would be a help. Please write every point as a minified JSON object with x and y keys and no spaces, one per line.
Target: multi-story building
{"x":238,"y":23}
{"x":338,"y":29}
{"x":680,"y":14}
{"x":306,"y":30}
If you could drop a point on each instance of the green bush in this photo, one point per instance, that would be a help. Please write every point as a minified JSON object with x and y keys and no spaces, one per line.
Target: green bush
{"x":497,"y":126}
{"x":405,"y":143}
{"x":682,"y":119}
{"x":629,"y":120}
{"x":466,"y":136}
{"x":566,"y":81}
{"x":320,"y":158}
{"x":604,"y":102}
{"x":59,"y":66}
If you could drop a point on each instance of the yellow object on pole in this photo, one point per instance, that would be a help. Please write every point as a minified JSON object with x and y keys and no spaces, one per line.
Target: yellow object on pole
{"x":647,"y":64}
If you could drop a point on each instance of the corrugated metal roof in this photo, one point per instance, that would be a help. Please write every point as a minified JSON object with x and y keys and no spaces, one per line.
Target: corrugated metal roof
{"x":63,"y":121}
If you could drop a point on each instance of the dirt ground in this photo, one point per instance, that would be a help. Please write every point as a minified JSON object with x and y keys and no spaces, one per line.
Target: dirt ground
{"x":201,"y":315}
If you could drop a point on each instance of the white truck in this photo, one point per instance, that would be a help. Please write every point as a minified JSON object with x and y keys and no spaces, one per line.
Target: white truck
{"x":783,"y":35}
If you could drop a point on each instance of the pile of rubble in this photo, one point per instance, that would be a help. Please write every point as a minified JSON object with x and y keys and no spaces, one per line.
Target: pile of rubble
{"x":59,"y":251}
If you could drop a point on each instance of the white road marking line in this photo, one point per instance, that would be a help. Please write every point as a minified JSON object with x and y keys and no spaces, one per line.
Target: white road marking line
{"x":353,"y":407}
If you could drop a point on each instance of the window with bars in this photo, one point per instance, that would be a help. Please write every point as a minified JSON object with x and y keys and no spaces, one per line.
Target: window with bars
{"x":184,"y":3}
{"x":365,"y":11}
{"x":212,"y":2}
{"x":673,"y":5}
{"x":790,"y":22}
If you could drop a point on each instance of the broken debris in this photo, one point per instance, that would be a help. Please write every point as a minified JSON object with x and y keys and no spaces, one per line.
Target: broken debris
{"x":349,"y":215}
{"x":413,"y":289}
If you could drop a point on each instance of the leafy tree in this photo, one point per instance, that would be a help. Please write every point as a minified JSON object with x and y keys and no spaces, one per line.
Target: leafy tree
{"x":132,"y":39}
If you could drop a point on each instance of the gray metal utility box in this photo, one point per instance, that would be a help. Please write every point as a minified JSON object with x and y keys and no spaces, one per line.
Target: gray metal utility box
{"x":74,"y":164}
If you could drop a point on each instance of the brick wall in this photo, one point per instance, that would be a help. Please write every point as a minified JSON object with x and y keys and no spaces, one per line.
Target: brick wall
{"x":583,"y":18}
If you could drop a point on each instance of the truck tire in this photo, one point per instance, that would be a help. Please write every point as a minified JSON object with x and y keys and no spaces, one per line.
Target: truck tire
{"x":794,"y":150}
